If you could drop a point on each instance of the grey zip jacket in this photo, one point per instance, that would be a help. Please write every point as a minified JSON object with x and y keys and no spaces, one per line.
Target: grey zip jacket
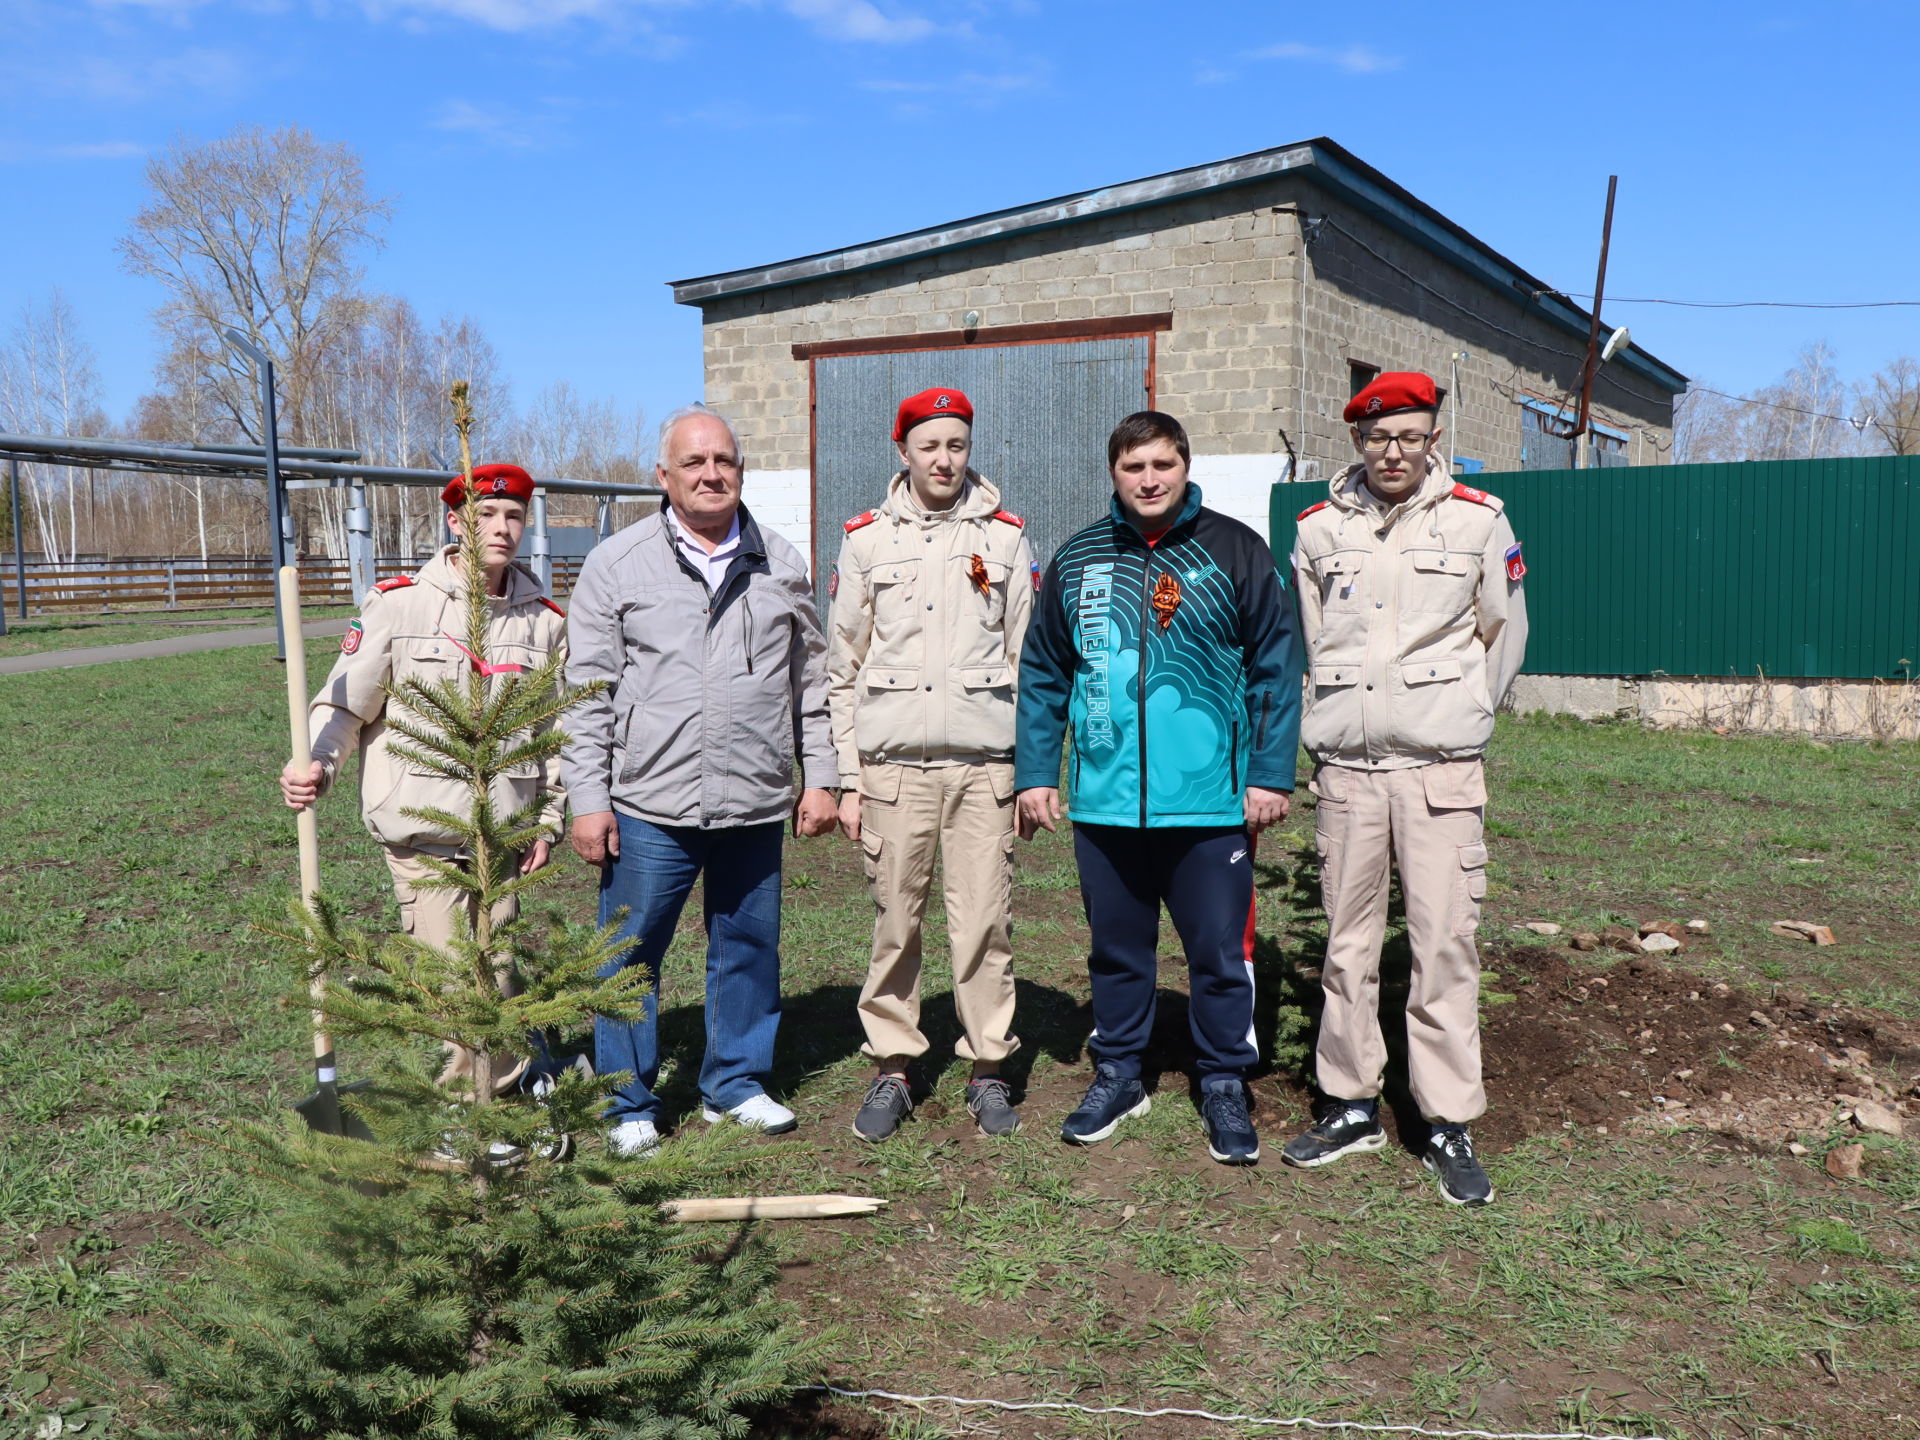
{"x":712,"y":696}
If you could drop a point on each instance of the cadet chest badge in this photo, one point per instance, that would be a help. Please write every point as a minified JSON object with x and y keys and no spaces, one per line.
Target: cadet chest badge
{"x":977,"y":573}
{"x":350,"y":642}
{"x":1516,"y":567}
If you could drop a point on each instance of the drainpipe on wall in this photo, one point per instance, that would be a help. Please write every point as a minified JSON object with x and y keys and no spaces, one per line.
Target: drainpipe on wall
{"x":1301,"y":234}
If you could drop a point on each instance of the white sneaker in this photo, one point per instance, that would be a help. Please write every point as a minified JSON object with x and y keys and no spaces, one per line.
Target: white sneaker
{"x":633,"y":1138}
{"x":762,"y":1112}
{"x":498,"y":1153}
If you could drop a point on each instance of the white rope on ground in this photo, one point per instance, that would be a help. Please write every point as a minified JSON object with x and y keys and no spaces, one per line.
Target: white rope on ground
{"x":1298,"y":1422}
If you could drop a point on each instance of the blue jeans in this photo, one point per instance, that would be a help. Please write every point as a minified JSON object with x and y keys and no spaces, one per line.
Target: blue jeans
{"x":651,"y":880}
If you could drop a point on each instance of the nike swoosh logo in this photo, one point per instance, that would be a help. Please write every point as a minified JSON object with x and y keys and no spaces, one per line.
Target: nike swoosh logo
{"x":1238,"y":856}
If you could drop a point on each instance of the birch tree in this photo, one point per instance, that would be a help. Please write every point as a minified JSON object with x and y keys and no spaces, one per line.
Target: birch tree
{"x":1891,"y":396}
{"x":49,"y":385}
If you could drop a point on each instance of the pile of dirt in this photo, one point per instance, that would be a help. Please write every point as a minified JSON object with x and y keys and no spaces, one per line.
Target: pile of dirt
{"x":1642,"y":1044}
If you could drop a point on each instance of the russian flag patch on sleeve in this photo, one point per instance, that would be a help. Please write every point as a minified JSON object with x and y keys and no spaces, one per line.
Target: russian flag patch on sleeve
{"x":1516,"y":567}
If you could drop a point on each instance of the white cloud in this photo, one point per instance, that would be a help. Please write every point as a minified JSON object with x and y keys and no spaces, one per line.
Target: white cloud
{"x":160,"y":7}
{"x":1354,"y":59}
{"x":20,"y":152}
{"x":505,"y":127}
{"x":509,"y":15}
{"x":967,"y":86}
{"x":859,"y":20}
{"x":854,"y":21}
{"x":734,"y":115}
{"x":131,"y":80}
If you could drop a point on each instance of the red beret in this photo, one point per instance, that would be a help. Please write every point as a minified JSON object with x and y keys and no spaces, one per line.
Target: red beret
{"x":933,"y":404}
{"x":1391,"y":393}
{"x":490,"y":480}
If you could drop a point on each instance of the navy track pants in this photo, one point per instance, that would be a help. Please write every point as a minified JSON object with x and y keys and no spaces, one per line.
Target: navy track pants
{"x":1205,"y":878}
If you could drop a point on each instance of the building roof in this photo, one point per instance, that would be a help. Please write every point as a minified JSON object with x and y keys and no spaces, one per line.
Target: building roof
{"x":1321,"y":161}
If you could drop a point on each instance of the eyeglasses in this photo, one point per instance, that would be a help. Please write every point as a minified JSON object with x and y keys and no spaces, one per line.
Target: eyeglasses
{"x":1409,"y":444}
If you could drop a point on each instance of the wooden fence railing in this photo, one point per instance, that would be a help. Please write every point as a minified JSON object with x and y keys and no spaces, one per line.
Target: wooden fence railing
{"x":187,"y":585}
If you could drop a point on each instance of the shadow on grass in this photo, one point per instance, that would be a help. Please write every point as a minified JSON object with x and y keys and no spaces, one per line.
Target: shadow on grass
{"x":820,"y":1027}
{"x":1288,"y":999}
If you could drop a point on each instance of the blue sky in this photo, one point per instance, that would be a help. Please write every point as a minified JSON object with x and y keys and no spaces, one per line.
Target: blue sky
{"x":553,"y":162}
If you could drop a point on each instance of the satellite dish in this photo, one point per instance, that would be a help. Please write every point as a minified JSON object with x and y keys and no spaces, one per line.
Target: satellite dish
{"x":1616,"y":342}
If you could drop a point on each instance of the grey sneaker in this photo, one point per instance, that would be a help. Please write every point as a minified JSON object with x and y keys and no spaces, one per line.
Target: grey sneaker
{"x":1449,"y":1155}
{"x":1344,"y":1127}
{"x":887,"y":1104}
{"x":992,"y":1106}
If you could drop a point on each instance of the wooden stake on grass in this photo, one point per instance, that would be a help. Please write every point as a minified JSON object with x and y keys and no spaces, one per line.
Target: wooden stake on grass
{"x":769,"y":1207}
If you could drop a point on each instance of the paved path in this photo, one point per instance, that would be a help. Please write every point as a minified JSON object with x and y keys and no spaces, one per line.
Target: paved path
{"x":155,"y":649}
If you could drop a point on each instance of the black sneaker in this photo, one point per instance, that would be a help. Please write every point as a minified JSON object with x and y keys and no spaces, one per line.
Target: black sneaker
{"x":1230,"y":1136}
{"x":1110,"y":1100}
{"x":1449,"y":1155}
{"x":886,"y":1105}
{"x":992,"y":1106}
{"x":1344,"y":1126}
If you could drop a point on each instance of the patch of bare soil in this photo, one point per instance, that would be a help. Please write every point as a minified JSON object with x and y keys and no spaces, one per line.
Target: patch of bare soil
{"x":1645,"y":1044}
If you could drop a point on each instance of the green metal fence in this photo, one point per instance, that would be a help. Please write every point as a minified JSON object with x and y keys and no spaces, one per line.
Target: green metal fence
{"x":1795,"y":567}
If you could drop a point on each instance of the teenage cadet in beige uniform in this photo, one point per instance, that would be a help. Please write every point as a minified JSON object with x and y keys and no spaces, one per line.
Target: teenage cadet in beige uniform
{"x":408,"y":630}
{"x":931,"y":599}
{"x":1415,"y":623}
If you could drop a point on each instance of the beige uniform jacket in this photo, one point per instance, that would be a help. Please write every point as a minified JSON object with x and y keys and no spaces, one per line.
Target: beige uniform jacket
{"x":1414,"y":619}
{"x":416,"y":631}
{"x":923,"y":661}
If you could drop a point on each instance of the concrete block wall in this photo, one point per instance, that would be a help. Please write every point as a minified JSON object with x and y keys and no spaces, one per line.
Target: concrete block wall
{"x":1365,"y":304}
{"x":1230,"y":268}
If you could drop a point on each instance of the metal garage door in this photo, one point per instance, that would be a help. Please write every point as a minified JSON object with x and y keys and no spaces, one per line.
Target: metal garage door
{"x":1042,"y":414}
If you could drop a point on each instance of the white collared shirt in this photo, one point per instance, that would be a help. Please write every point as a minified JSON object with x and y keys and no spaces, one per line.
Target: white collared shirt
{"x":712,"y":565}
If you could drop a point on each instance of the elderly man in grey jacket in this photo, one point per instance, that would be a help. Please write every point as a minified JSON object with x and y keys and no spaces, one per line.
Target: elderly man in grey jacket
{"x":704,"y":628}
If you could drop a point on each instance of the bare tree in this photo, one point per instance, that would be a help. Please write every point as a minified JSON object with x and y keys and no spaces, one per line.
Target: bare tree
{"x":565,"y":433}
{"x":49,"y":386}
{"x":461,"y":351}
{"x":1706,"y":426}
{"x":1891,"y":396}
{"x":1802,"y":415}
{"x":263,"y":231}
{"x":182,"y":409}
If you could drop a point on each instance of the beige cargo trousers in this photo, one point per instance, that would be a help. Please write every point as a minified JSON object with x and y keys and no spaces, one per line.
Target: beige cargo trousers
{"x":1426,"y":820}
{"x":431,"y":914}
{"x":965,"y":811}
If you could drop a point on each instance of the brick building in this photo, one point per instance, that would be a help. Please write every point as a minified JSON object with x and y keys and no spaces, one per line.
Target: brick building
{"x":1249,"y":297}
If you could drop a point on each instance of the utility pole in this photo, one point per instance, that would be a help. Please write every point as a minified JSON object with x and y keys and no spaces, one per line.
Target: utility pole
{"x":276,"y":495}
{"x":1582,"y":421}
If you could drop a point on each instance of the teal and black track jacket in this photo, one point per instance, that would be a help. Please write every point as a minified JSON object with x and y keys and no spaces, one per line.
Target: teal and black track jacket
{"x":1171,"y":722}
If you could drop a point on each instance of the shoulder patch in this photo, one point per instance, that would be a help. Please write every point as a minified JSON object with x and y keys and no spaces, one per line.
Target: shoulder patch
{"x":398,"y":582}
{"x":1310,"y":510}
{"x":857,"y":521}
{"x":553,"y":607}
{"x":1478,"y":497}
{"x":1008,"y":517}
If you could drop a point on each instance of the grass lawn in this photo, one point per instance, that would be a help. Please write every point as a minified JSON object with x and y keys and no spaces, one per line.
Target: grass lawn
{"x":39,"y":633}
{"x":1631,"y":1277}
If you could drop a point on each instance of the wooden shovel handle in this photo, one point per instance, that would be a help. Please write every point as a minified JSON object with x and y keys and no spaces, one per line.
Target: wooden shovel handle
{"x":306,"y":822}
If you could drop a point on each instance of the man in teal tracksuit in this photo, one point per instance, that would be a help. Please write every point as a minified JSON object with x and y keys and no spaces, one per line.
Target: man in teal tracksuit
{"x":1165,"y":639}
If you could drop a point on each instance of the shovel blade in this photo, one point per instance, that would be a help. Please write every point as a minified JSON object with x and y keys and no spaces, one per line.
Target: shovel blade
{"x":321,"y":1110}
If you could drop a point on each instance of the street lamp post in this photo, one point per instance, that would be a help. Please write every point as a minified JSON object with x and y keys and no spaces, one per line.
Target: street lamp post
{"x":276,"y":495}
